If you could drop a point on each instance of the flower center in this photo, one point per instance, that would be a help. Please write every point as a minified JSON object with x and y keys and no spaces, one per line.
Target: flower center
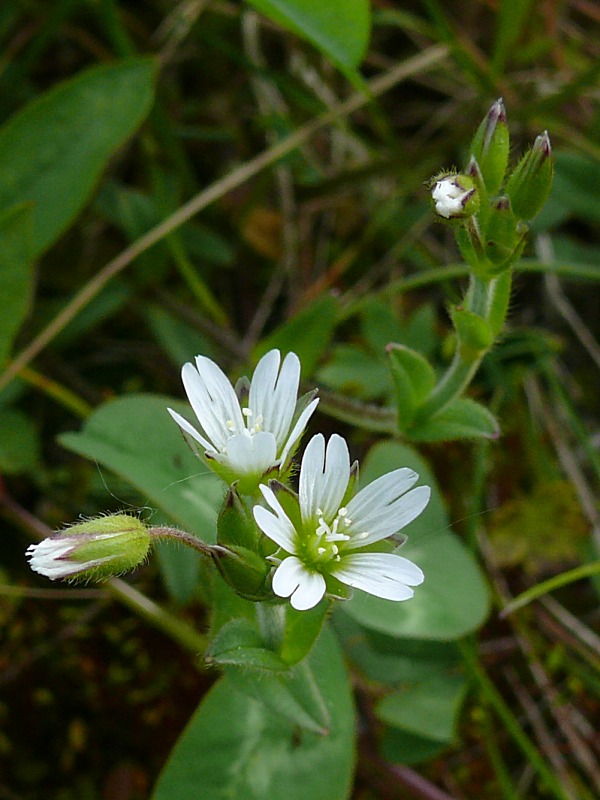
{"x":254,"y":424}
{"x":323,"y":544}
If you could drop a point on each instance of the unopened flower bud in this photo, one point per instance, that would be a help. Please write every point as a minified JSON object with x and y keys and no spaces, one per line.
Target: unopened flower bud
{"x":529,"y":185}
{"x":490,"y":147}
{"x":455,"y":196}
{"x":94,"y":550}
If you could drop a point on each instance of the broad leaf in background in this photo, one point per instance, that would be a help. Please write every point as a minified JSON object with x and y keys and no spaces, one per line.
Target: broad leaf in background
{"x":16,"y":273}
{"x":428,"y":707}
{"x":235,"y":747}
{"x":453,"y":600}
{"x":338,"y":28}
{"x":135,"y":437}
{"x":308,"y":334}
{"x":53,"y":151}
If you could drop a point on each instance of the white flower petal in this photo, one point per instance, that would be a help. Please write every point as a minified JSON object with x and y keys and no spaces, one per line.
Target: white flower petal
{"x":309,"y":592}
{"x":324,"y":477}
{"x":251,"y":454}
{"x":384,"y":575}
{"x":297,"y":431}
{"x":288,"y":576}
{"x":283,"y":403}
{"x":293,"y":579}
{"x":222,"y":395}
{"x":383,"y":522}
{"x":277,"y":527}
{"x":262,"y":387}
{"x":208,"y":414}
{"x":188,"y":428}
{"x":380,"y":493}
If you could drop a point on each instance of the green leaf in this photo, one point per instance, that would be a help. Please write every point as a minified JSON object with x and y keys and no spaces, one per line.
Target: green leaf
{"x":301,"y":631}
{"x":401,"y":747}
{"x":453,"y":600}
{"x":53,"y":151}
{"x":307,"y":334}
{"x":135,"y":437}
{"x":414,"y":378}
{"x":338,"y":28}
{"x":428,"y":707}
{"x":16,"y":274}
{"x":463,"y":418}
{"x":236,"y":748}
{"x":19,"y":442}
{"x":239,"y":643}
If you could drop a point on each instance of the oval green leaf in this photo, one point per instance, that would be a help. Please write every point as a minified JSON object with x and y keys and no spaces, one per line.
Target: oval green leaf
{"x":53,"y":151}
{"x":338,"y":28}
{"x":236,"y":748}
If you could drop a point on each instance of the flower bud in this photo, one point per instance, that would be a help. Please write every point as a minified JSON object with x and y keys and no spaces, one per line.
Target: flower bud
{"x":490,"y":147}
{"x":455,"y":196}
{"x":94,"y":550}
{"x":529,"y":185}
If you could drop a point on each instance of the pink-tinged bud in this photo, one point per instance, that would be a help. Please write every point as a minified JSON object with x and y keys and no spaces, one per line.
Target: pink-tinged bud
{"x":490,"y":147}
{"x":94,"y":550}
{"x":529,"y":185}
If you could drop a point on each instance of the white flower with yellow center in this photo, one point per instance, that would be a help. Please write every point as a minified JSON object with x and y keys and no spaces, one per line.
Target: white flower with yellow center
{"x":331,"y":529}
{"x":248,"y":436}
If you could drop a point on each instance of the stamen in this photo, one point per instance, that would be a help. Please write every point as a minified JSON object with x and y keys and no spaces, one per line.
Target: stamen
{"x":247,"y":412}
{"x":230,"y":425}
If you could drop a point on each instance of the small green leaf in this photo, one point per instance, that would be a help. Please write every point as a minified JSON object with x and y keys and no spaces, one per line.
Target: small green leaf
{"x":428,"y":707}
{"x":302,"y":629}
{"x":463,"y":418}
{"x":401,"y":747}
{"x":236,"y":748}
{"x":16,"y":274}
{"x":53,"y":151}
{"x":338,"y":28}
{"x":474,"y":333}
{"x":414,"y":379}
{"x":239,"y":643}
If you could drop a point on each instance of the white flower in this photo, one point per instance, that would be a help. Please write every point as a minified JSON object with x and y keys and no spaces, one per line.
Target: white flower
{"x":94,"y":549}
{"x":330,"y":533}
{"x":51,"y":557}
{"x":249,"y":440}
{"x":450,"y":197}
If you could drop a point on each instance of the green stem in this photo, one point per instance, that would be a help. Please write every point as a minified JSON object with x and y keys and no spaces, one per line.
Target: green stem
{"x":164,"y":532}
{"x":545,"y":587}
{"x":488,"y":298}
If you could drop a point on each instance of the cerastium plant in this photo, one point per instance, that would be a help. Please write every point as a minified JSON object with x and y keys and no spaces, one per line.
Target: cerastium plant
{"x":291,"y":542}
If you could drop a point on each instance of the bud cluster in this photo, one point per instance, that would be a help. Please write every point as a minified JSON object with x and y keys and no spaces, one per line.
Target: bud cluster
{"x":489,"y":209}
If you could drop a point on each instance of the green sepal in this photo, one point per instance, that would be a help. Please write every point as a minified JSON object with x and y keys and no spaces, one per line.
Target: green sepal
{"x":469,"y":247}
{"x":474,"y":333}
{"x":490,"y":147}
{"x":529,"y":184}
{"x":462,"y":418}
{"x":234,"y":524}
{"x":414,"y":379}
{"x":473,"y":170}
{"x":245,"y":571}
